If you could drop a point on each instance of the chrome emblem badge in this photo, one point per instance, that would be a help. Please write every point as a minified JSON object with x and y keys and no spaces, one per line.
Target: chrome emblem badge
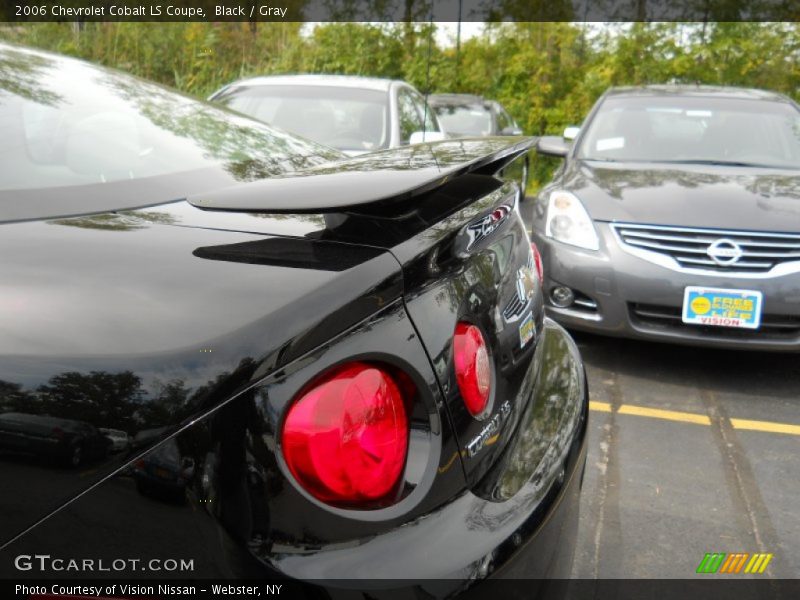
{"x":526,"y":284}
{"x":724,"y":252}
{"x":489,"y":430}
{"x":484,"y":227}
{"x":525,"y":289}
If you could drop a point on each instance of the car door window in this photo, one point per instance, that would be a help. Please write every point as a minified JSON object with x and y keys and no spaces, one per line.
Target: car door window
{"x":408,"y":115}
{"x":503,"y":119}
{"x":431,"y":123}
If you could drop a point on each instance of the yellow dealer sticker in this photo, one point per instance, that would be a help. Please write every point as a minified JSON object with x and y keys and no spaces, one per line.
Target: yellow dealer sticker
{"x":722,"y":307}
{"x":526,"y":330}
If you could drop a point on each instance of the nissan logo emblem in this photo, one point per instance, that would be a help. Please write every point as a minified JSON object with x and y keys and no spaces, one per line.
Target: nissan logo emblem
{"x":724,"y":252}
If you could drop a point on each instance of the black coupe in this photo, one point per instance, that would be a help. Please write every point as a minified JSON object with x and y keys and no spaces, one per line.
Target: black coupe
{"x":346,"y":358}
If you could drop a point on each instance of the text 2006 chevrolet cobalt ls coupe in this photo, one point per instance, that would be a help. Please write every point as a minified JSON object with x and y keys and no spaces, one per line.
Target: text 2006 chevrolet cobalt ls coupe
{"x":327,"y":367}
{"x":676,"y":217}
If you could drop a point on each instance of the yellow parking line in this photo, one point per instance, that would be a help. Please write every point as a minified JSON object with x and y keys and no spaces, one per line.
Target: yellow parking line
{"x":696,"y":419}
{"x":669,"y":415}
{"x":768,"y":426}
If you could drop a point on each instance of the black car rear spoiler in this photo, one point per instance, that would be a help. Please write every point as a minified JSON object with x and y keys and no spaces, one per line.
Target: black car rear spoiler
{"x":371,"y":180}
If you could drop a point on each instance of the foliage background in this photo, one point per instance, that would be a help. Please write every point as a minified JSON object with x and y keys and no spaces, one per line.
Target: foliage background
{"x":548,"y":75}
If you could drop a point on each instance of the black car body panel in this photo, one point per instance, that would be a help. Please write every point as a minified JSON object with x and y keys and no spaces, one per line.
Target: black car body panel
{"x":126,"y":327}
{"x":373,"y":180}
{"x":240,"y":518}
{"x":195,"y":331}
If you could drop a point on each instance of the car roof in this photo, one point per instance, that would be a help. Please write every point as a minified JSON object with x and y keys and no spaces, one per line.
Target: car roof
{"x":348,"y":81}
{"x":717,"y":91}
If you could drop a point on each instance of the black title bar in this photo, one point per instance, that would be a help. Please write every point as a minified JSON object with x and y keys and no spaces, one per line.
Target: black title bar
{"x":398,"y":10}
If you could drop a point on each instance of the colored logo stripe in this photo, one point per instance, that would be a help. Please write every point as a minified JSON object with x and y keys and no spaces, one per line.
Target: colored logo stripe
{"x":758,"y":564}
{"x":720,"y":562}
{"x":734,"y":562}
{"x":711,"y":562}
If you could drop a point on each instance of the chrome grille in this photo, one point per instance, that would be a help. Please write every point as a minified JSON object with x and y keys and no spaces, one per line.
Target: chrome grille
{"x":719,"y":250}
{"x":514,"y":309}
{"x":519,"y":302}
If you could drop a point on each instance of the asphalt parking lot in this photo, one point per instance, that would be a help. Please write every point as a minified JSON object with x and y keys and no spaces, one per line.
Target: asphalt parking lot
{"x":690,"y":451}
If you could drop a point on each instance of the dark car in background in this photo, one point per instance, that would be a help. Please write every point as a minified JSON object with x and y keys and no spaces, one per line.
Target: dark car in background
{"x":64,"y":441}
{"x":353,"y":114}
{"x":342,"y":364}
{"x":468,"y":115}
{"x":163,"y":471}
{"x":676,"y":217}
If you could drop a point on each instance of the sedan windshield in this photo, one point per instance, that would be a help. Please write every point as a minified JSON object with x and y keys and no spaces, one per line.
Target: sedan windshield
{"x":346,"y":118}
{"x":697,"y":129}
{"x":465,"y":120}
{"x":75,"y":138}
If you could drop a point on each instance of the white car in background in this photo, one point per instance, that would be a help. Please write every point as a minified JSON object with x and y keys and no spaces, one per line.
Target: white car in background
{"x":352,"y":114}
{"x":119,"y":439}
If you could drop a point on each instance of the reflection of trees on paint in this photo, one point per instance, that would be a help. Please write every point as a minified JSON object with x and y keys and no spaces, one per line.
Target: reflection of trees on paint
{"x":776,"y":192}
{"x":118,"y":400}
{"x":307,"y":218}
{"x":616,"y":181}
{"x":100,"y":398}
{"x":247,"y":150}
{"x":102,"y":125}
{"x":23,"y":74}
{"x":408,"y":158}
{"x":542,"y":435}
{"x":120,"y":221}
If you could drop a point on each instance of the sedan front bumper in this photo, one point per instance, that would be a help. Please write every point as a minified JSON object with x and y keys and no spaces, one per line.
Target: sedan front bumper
{"x":620,"y":294}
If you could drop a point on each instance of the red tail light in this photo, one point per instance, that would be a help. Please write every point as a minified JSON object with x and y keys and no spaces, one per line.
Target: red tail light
{"x":57,"y":433}
{"x":473,"y":369}
{"x":345,"y":440}
{"x":537,"y":260}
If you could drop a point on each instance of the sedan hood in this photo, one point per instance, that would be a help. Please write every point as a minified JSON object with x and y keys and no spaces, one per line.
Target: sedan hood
{"x":723,"y":197}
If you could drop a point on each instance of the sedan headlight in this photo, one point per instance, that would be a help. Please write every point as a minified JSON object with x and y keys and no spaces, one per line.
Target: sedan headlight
{"x":568,"y":221}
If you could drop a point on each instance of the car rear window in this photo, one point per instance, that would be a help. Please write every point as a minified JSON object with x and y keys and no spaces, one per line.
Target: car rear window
{"x":72,"y":130}
{"x":347,"y":118}
{"x":465,"y":120}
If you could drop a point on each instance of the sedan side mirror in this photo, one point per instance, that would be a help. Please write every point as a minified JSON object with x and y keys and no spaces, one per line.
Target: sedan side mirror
{"x":511,"y":131}
{"x":418,"y":137}
{"x":552,"y":145}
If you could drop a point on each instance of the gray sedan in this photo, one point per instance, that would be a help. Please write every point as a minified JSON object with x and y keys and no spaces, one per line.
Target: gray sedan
{"x":676,"y":217}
